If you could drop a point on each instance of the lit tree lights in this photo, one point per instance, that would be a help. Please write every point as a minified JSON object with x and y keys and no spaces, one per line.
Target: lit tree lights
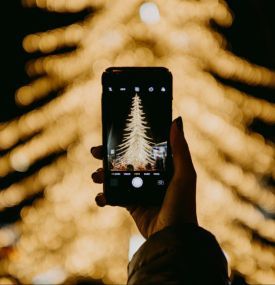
{"x":60,"y":232}
{"x":136,"y":146}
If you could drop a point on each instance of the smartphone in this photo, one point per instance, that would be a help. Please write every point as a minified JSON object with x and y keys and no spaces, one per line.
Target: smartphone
{"x":136,"y":121}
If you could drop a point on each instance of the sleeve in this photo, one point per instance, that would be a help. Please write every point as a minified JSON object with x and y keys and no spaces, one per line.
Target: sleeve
{"x":186,"y":255}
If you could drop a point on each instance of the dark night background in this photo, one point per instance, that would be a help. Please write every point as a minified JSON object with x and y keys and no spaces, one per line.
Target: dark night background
{"x":252,"y":36}
{"x":18,"y":23}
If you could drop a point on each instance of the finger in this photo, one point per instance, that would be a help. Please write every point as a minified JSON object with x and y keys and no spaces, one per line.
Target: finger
{"x":183,"y":165}
{"x":98,"y":176}
{"x":100,"y":200}
{"x":97,"y":151}
{"x":179,"y":204}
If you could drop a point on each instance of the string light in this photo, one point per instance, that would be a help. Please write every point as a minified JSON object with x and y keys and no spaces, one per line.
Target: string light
{"x":149,"y":13}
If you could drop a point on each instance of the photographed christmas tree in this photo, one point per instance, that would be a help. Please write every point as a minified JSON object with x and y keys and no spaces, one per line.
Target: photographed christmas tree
{"x":136,"y":146}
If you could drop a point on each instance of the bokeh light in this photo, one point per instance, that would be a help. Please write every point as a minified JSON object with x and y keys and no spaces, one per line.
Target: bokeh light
{"x":149,"y":13}
{"x":62,"y":233}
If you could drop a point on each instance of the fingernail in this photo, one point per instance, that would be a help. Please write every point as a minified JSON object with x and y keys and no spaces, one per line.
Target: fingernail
{"x":179,"y":124}
{"x":92,"y":149}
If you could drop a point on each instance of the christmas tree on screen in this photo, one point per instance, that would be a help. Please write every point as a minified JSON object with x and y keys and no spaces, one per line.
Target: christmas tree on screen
{"x":136,"y":147}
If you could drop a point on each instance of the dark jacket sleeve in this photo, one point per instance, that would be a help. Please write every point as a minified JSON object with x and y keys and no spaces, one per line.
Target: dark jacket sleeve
{"x":186,"y":255}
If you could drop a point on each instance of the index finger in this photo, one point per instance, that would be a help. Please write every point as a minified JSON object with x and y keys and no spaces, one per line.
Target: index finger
{"x":97,"y":152}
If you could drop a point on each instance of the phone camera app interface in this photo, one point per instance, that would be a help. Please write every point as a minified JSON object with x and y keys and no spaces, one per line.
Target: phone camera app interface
{"x":137,"y":132}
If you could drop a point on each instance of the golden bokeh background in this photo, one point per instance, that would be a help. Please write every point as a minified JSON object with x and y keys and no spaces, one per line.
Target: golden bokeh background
{"x":62,"y":233}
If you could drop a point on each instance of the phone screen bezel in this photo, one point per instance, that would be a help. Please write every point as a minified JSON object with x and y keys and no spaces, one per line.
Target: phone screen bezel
{"x":131,"y":73}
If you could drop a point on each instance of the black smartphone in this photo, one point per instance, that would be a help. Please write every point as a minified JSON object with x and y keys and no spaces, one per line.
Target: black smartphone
{"x":136,"y":120}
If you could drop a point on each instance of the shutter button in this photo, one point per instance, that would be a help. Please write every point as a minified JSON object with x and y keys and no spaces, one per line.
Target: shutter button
{"x":137,"y":182}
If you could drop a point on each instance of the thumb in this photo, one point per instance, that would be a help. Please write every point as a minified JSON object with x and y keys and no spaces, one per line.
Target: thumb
{"x":179,"y":204}
{"x":183,"y":165}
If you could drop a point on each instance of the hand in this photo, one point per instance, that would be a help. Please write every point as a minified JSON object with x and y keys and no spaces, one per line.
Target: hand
{"x":179,"y":204}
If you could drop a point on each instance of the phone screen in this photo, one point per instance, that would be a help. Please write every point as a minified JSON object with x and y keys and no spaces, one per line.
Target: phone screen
{"x":137,"y":119}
